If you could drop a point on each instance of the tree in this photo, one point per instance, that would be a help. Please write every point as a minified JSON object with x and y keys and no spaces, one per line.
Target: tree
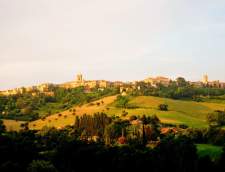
{"x":163,"y":107}
{"x":122,"y":101}
{"x":25,"y":126}
{"x":216,"y":119}
{"x":144,"y":122}
{"x":2,"y":127}
{"x":132,"y":117}
{"x":181,"y":82}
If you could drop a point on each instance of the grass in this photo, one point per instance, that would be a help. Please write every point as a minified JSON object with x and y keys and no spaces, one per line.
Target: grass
{"x":50,"y":108}
{"x":12,"y":125}
{"x":214,"y":152}
{"x":68,"y":118}
{"x":188,"y":112}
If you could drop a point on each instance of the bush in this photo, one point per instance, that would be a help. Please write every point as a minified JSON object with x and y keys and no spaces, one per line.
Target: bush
{"x":132,"y":118}
{"x":2,"y":127}
{"x":124,"y":113}
{"x":122,"y":101}
{"x":217,"y":118}
{"x":163,"y":107}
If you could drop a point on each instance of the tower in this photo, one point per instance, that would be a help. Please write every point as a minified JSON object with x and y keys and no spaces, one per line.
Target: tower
{"x":80,"y":78}
{"x":205,"y":79}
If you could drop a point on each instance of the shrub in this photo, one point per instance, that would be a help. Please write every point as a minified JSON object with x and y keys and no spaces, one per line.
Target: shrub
{"x":124,"y":113}
{"x":133,"y":117}
{"x":163,"y":107}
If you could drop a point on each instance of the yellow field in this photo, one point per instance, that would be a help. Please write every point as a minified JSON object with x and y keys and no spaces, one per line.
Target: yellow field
{"x":12,"y":125}
{"x":68,"y":118}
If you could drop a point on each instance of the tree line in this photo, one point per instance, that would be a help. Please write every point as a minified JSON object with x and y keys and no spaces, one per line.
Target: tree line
{"x":179,"y":89}
{"x":52,"y":150}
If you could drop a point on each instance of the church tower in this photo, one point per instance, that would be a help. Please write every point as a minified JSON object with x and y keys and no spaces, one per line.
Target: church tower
{"x":79,"y":78}
{"x":205,"y":79}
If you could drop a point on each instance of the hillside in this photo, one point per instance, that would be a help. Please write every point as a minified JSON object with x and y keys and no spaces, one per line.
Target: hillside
{"x":187,"y":112}
{"x":190,"y":113}
{"x":68,"y":117}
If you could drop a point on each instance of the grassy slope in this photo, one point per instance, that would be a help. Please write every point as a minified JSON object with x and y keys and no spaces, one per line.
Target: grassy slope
{"x":68,"y":118}
{"x":214,"y":152}
{"x":12,"y":125}
{"x":188,"y":112}
{"x":180,"y":112}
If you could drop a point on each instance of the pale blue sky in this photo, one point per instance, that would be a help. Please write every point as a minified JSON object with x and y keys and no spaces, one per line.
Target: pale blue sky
{"x":52,"y":40}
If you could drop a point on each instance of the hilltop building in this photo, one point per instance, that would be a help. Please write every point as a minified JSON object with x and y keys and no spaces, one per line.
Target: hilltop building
{"x":205,"y":79}
{"x":158,"y":80}
{"x":88,"y":84}
{"x":80,"y":78}
{"x":207,"y":83}
{"x":215,"y":84}
{"x":124,"y":87}
{"x":42,"y":88}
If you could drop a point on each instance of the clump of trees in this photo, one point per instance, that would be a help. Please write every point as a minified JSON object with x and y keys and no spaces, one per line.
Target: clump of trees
{"x":163,"y":107}
{"x":122,"y":101}
{"x":216,"y":119}
{"x":88,"y":126}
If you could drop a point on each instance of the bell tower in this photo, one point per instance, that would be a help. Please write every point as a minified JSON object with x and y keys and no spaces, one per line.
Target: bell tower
{"x":205,"y":79}
{"x":79,"y":78}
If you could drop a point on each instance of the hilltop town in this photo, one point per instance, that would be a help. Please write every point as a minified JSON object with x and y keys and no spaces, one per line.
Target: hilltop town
{"x":46,"y":88}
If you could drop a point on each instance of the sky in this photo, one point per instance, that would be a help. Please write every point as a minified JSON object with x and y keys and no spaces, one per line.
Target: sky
{"x":53,"y":40}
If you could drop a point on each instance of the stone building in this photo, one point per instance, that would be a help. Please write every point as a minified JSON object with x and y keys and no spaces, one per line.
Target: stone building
{"x":86,"y":83}
{"x":158,"y":80}
{"x":205,"y":79}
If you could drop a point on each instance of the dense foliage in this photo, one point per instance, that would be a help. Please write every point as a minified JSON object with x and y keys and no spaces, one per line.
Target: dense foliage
{"x":216,"y":118}
{"x":51,"y":150}
{"x":163,"y":107}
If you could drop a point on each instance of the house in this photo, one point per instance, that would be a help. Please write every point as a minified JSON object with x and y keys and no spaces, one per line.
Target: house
{"x":166,"y":131}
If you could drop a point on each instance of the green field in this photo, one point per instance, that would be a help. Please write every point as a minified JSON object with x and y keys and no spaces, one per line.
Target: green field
{"x":190,"y":113}
{"x":214,"y":152}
